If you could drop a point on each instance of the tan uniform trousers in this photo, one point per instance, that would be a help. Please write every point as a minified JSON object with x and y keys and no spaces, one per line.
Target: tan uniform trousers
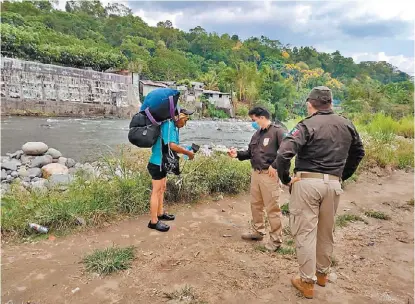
{"x":265,"y":192}
{"x":313,"y":206}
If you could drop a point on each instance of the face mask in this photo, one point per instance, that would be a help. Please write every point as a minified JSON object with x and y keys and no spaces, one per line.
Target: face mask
{"x":255,"y":125}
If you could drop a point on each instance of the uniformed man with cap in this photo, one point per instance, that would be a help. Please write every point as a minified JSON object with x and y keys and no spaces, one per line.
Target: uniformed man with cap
{"x":328,"y":150}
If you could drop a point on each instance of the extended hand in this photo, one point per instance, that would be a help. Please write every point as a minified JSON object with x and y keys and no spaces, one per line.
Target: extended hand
{"x":272,"y":172}
{"x":190,"y":154}
{"x":232,"y":153}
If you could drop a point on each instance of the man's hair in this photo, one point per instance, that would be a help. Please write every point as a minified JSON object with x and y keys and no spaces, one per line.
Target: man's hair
{"x":320,"y":105}
{"x":259,"y":111}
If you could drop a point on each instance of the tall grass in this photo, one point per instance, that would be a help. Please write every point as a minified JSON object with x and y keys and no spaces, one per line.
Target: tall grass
{"x":388,"y":142}
{"x":385,"y":127}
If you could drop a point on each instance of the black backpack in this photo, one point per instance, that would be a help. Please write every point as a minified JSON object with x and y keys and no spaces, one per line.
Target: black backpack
{"x":143,"y":133}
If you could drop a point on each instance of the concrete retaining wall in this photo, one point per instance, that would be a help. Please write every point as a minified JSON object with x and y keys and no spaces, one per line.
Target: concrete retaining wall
{"x":33,"y":87}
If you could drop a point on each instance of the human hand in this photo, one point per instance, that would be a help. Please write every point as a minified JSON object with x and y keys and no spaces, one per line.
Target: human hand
{"x":190,"y":154}
{"x":292,"y":182}
{"x":233,"y":153}
{"x":272,"y":172}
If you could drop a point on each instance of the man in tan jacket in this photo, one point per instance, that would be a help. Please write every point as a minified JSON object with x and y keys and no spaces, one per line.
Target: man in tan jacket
{"x":265,"y":189}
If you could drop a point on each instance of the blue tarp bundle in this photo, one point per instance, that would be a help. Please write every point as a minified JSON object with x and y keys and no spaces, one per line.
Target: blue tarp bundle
{"x":158,"y":103}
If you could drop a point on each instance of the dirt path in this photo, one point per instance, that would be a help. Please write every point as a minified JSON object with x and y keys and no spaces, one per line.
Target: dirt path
{"x":375,"y":261}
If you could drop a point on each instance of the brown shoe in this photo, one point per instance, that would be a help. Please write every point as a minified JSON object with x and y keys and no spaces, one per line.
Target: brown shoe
{"x":321,"y":279}
{"x":252,"y":236}
{"x":306,"y":289}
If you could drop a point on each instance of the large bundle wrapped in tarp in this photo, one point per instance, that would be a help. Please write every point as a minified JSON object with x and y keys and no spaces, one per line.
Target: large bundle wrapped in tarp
{"x":158,"y":106}
{"x":161,"y":104}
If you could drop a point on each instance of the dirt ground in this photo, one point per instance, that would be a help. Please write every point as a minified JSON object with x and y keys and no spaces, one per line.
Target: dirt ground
{"x":375,"y":260}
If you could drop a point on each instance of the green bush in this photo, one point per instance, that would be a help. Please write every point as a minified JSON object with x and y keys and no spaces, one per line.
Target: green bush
{"x":384,"y":148}
{"x":242,"y":110}
{"x":398,"y":153}
{"x":216,"y":113}
{"x":406,"y":127}
{"x":385,"y":127}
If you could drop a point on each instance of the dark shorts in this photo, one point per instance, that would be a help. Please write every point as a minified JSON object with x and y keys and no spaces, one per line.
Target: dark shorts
{"x":156,"y":172}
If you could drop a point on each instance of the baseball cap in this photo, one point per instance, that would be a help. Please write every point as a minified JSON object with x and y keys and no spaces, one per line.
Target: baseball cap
{"x":187,"y":112}
{"x":321,"y":93}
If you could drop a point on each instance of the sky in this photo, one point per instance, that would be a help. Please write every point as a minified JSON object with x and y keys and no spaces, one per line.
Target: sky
{"x":364,"y":30}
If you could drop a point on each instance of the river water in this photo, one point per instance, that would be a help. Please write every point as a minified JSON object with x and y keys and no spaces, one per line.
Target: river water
{"x":88,"y":139}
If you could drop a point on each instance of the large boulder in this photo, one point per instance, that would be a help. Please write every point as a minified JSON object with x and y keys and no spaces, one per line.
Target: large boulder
{"x":3,"y":174}
{"x":12,"y":164}
{"x":54,"y":168}
{"x":54,"y":153}
{"x":35,"y":148}
{"x":40,"y":161}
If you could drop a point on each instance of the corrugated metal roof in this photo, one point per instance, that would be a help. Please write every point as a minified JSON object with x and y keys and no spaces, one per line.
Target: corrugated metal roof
{"x":214,"y":92}
{"x":154,"y":84}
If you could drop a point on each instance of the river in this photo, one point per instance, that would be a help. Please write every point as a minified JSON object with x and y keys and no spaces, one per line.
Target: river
{"x":88,"y":139}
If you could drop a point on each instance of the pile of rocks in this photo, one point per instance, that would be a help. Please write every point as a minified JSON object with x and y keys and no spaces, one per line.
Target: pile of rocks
{"x":35,"y":164}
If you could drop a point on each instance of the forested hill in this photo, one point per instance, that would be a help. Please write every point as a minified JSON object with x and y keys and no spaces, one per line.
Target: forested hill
{"x":258,"y":69}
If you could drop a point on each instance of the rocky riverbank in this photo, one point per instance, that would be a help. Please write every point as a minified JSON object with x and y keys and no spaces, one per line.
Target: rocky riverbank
{"x":38,"y":167}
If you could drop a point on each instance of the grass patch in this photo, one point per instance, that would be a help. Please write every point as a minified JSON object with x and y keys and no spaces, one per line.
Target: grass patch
{"x":109,"y":260}
{"x":285,"y":209}
{"x":286,"y":250}
{"x":410,"y":202}
{"x":123,"y":188}
{"x":289,"y":242}
{"x":260,"y":248}
{"x":344,"y":219}
{"x":377,"y":215}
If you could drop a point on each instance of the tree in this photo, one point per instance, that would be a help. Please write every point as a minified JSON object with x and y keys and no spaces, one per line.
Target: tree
{"x":210,"y":80}
{"x":116,"y":9}
{"x":166,"y":24}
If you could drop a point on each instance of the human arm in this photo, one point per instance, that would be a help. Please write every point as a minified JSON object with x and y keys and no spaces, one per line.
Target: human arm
{"x":170,"y":136}
{"x":289,"y":147}
{"x":355,"y":155}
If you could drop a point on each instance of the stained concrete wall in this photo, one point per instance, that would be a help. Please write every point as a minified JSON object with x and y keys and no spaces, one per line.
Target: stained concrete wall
{"x":31,"y":87}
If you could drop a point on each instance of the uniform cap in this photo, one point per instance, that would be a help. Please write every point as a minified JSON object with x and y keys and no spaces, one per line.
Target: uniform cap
{"x":320,"y":93}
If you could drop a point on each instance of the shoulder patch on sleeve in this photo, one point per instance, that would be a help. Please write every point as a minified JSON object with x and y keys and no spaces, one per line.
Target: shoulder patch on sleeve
{"x":294,"y":132}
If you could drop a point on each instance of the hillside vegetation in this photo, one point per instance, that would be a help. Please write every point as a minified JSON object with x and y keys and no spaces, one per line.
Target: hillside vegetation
{"x":259,"y":70}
